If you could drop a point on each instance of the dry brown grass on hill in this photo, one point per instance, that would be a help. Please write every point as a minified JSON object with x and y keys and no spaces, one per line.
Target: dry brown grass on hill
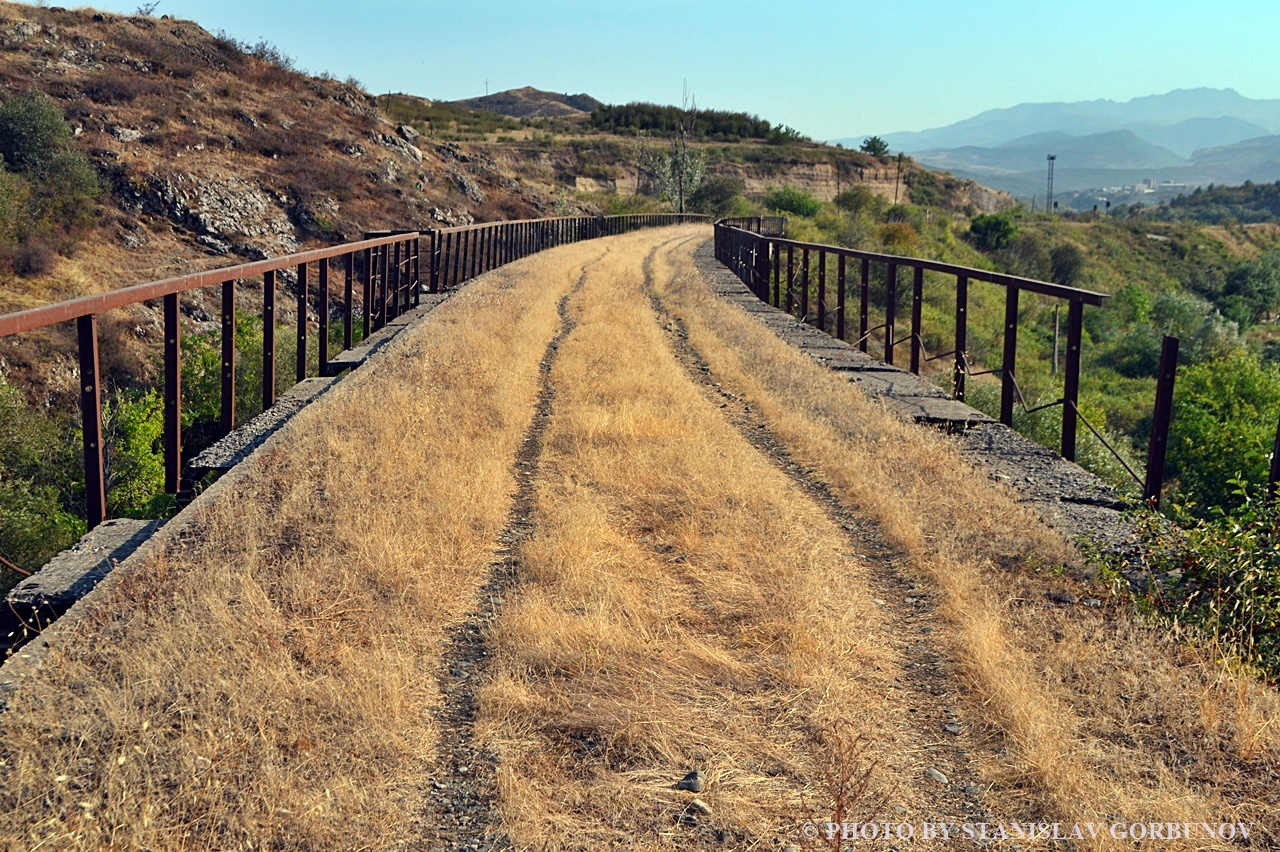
{"x":265,"y":683}
{"x":1088,"y":714}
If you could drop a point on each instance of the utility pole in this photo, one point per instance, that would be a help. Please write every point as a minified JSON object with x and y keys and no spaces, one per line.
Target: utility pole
{"x":1048,"y":201}
{"x":486,"y":87}
{"x":897,"y":178}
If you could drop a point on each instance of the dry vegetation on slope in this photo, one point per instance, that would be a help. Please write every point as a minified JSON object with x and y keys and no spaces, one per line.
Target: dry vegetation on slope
{"x":730,"y":559}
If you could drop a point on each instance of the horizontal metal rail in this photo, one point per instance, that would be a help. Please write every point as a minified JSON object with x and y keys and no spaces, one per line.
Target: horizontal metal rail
{"x":386,"y":269}
{"x":781,"y":272}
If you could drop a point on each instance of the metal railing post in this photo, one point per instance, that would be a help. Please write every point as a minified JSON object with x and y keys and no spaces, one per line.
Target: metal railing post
{"x":1071,"y":384}
{"x":228,"y":418}
{"x":95,"y":474}
{"x":301,"y":355}
{"x":841,"y":295}
{"x":890,"y":309}
{"x":917,"y":307}
{"x":268,"y":339}
{"x":962,"y":336}
{"x":804,"y":287}
{"x":348,"y":298}
{"x":822,"y":290}
{"x":172,"y":393}
{"x":322,"y":314}
{"x":1008,"y":364}
{"x":1160,"y":420}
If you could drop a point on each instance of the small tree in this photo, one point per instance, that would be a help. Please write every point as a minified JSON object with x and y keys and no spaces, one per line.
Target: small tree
{"x":677,"y":174}
{"x":790,"y":199}
{"x":1066,"y":263}
{"x":875,"y":146}
{"x":991,"y":232}
{"x":32,"y":132}
{"x":856,"y":199}
{"x":717,"y":196}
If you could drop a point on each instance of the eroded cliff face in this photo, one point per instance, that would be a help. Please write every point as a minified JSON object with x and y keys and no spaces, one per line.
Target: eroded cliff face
{"x":825,"y":180}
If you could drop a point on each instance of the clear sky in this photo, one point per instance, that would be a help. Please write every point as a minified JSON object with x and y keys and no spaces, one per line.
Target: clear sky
{"x":830,"y":69}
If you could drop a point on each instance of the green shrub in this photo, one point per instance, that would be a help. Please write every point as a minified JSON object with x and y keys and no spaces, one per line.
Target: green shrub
{"x":1220,"y":574}
{"x":40,"y":481}
{"x":717,"y":196}
{"x":48,"y":189}
{"x":1223,"y":429}
{"x":991,"y":232}
{"x":133,"y":434}
{"x":857,"y":199}
{"x":790,"y":199}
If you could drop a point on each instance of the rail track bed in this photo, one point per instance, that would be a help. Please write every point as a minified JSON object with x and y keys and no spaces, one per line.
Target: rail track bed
{"x":604,"y":553}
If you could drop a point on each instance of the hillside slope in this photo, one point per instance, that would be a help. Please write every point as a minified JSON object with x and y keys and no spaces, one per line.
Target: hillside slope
{"x":212,"y":150}
{"x":528,"y":102}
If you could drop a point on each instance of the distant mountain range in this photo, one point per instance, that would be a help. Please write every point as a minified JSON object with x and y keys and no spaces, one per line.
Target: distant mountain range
{"x":1187,"y":136}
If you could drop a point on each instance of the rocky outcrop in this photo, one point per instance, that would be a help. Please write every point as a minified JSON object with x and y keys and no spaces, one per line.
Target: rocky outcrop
{"x":988,"y":200}
{"x":229,"y":214}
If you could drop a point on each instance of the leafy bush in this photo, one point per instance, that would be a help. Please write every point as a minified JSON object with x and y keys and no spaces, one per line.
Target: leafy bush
{"x":899,"y":237}
{"x":991,"y":232}
{"x":1220,"y":574}
{"x":133,"y":434}
{"x":40,"y":481}
{"x":790,"y":199}
{"x":1223,"y":429}
{"x":48,"y":189}
{"x":717,"y":196}
{"x":857,"y":199}
{"x":1066,"y":264}
{"x":33,"y":258}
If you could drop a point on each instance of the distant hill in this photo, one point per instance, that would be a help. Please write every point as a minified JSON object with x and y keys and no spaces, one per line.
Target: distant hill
{"x":1182,"y":116}
{"x":1115,"y":149}
{"x":1259,"y":152}
{"x":528,"y":102}
{"x":1187,"y":136}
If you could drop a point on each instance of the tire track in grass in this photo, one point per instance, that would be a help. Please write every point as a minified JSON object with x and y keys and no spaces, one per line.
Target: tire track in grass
{"x":459,"y":812}
{"x":928,"y":685}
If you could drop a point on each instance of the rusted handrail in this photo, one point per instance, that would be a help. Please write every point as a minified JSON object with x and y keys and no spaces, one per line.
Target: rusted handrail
{"x":390,"y":271}
{"x":757,"y":259}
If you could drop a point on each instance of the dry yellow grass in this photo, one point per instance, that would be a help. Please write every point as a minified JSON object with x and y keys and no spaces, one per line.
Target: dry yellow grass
{"x":266,"y":681}
{"x":270,"y":679}
{"x":681,"y":605}
{"x":1090,"y":715}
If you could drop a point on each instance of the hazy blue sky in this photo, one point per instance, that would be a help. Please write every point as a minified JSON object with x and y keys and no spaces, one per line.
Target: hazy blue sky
{"x":828,"y":68}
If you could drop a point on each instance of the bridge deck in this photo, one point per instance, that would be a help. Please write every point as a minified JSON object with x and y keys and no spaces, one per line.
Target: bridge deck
{"x":592,"y":559}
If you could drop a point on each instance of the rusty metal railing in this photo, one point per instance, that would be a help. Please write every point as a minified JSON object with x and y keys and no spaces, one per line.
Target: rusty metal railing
{"x":389,"y":268}
{"x":764,"y":262}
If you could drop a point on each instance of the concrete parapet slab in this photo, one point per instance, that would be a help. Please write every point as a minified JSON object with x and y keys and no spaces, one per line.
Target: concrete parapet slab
{"x":69,"y":576}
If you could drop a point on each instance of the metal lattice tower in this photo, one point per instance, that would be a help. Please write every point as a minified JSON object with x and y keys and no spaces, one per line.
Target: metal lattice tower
{"x":1048,"y":202}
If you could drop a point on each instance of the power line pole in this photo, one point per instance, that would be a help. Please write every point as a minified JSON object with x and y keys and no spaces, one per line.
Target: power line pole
{"x":1048,"y":201}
